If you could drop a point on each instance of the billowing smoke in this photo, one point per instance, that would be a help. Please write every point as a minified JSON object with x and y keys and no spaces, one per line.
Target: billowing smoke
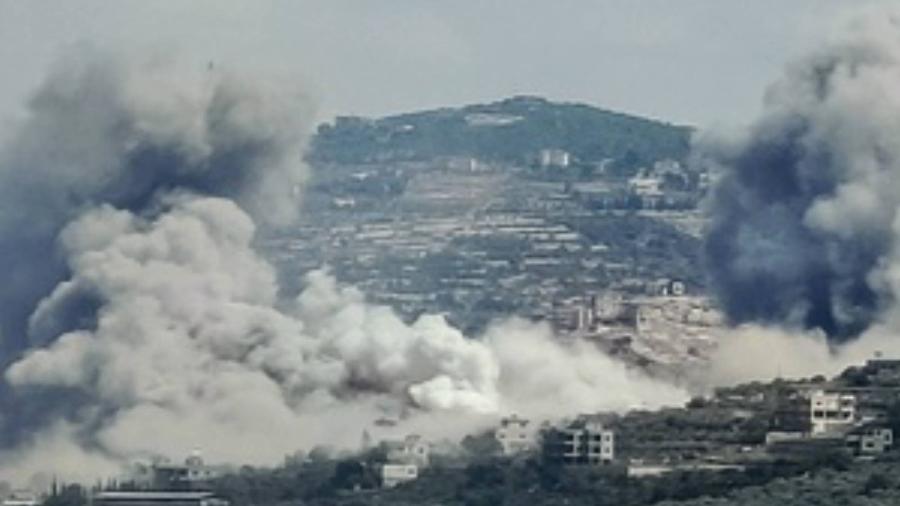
{"x":806,"y":227}
{"x":103,"y":130}
{"x":191,"y":347}
{"x":143,"y":322}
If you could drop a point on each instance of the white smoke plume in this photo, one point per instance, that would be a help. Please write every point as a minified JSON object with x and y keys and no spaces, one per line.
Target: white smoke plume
{"x":190,"y":349}
{"x":160,"y":329}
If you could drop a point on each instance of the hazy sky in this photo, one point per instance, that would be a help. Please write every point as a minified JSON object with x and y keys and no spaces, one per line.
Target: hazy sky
{"x":687,"y":61}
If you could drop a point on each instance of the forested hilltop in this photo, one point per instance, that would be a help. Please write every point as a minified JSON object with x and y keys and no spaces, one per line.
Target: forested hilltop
{"x":509,"y":131}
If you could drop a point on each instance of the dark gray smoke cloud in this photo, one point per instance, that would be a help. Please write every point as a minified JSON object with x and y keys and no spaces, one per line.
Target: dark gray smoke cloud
{"x":105,"y":130}
{"x":805,"y":216}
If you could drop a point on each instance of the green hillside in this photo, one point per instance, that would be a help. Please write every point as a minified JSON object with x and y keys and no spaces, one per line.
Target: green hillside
{"x":512,"y":130}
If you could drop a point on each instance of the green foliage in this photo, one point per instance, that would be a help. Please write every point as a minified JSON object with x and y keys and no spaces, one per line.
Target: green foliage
{"x":303,"y":481}
{"x":67,"y":495}
{"x":654,"y":248}
{"x":588,"y":133}
{"x":353,"y":474}
{"x":861,"y":484}
{"x":482,"y":446}
{"x":502,"y":481}
{"x":876,"y":481}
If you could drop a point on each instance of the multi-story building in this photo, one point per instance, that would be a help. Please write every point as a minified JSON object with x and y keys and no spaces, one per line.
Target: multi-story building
{"x":404,"y":460}
{"x":554,"y":158}
{"x":515,"y":435}
{"x":870,"y":439}
{"x":831,"y":412}
{"x":412,"y":449}
{"x":582,"y":442}
{"x":395,"y":474}
{"x":193,"y":475}
{"x":837,"y":422}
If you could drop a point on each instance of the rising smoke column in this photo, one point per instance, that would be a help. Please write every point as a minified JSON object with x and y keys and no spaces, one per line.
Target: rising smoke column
{"x":102,"y":129}
{"x":108,"y":130}
{"x":805,"y":216}
{"x":143,"y":321}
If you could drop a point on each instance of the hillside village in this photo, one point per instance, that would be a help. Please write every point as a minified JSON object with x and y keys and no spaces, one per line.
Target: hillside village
{"x":569,"y":206}
{"x":741,"y":437}
{"x":577,"y":217}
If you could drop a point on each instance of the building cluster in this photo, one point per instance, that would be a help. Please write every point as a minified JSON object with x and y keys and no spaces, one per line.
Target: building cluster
{"x":578,"y":442}
{"x":191,"y":475}
{"x":156,"y":483}
{"x":476,"y":242}
{"x":661,"y":323}
{"x":405,"y":458}
{"x":853,"y":417}
{"x":516,"y":435}
{"x":582,"y":442}
{"x":800,"y":420}
{"x":665,"y":185}
{"x":19,"y":498}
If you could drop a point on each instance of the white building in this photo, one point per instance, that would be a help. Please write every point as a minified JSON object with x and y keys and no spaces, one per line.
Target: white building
{"x":395,"y":474}
{"x":645,"y":186}
{"x":581,"y":443}
{"x":410,"y":450}
{"x":515,"y":435}
{"x":156,"y":498}
{"x":404,"y":460}
{"x":21,"y":498}
{"x":831,"y":413}
{"x":162,"y":474}
{"x":871,"y":440}
{"x":555,"y":158}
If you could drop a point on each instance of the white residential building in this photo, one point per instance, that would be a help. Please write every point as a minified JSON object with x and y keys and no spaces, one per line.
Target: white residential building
{"x":555,"y":158}
{"x":582,"y":443}
{"x":516,"y":435}
{"x":871,"y":440}
{"x":831,"y":412}
{"x":395,"y":474}
{"x":404,"y":460}
{"x":645,"y":186}
{"x":21,"y":498}
{"x":412,"y":449}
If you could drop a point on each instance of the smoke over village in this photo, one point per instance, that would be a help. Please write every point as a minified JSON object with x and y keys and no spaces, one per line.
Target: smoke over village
{"x":804,"y":229}
{"x":206,"y":259}
{"x":164,"y":329}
